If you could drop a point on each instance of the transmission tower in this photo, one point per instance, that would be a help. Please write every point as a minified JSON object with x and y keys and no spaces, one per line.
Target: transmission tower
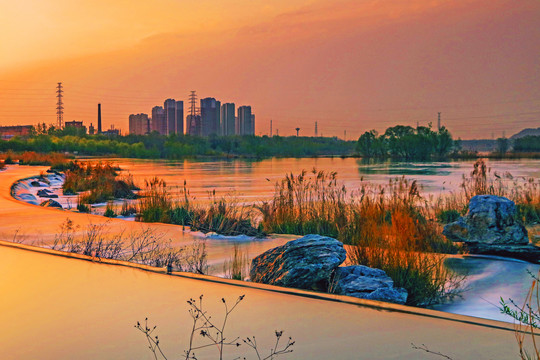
{"x":271,"y":128}
{"x":315,"y":129}
{"x":193,"y":121}
{"x":439,"y":122}
{"x":59,"y":106}
{"x":194,"y":110}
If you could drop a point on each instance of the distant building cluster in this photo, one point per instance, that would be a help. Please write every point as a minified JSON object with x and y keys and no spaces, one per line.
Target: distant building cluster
{"x":7,"y":132}
{"x":210,"y":118}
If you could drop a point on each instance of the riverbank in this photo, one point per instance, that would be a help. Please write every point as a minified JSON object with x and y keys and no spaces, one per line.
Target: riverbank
{"x":91,"y":310}
{"x":31,"y":224}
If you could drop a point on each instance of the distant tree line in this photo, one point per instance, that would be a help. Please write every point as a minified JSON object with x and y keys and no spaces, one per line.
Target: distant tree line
{"x":527,"y":144}
{"x":156,"y":146}
{"x":407,"y":143}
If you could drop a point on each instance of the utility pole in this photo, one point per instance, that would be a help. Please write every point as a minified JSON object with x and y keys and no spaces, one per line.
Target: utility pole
{"x":316,"y":129}
{"x":59,"y":106}
{"x":439,"y":122}
{"x":297,"y":131}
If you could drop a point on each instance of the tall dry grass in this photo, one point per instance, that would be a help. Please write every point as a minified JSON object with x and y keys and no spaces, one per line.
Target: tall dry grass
{"x":237,"y":267}
{"x":524,"y":192}
{"x":98,"y":181}
{"x":222,"y":215}
{"x":388,"y":227}
{"x":55,"y":160}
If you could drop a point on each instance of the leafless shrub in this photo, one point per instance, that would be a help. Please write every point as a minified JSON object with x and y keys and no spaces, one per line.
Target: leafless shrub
{"x":144,"y":246}
{"x":212,"y":334}
{"x":196,"y":257}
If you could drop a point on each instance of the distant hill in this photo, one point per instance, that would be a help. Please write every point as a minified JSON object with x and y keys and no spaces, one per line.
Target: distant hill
{"x":526,"y":132}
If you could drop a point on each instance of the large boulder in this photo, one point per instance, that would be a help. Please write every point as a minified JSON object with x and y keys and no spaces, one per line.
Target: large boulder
{"x":491,"y":220}
{"x":367,"y":283}
{"x":305,"y":263}
{"x":490,"y":228}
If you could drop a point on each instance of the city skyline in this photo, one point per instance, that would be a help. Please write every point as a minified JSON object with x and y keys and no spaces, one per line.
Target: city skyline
{"x":210,"y":118}
{"x":348,"y":65}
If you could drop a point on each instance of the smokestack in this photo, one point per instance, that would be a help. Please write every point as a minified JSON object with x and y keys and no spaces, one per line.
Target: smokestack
{"x":99,"y":118}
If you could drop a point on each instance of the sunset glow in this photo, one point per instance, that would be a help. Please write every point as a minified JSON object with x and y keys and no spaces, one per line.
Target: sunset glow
{"x":349,"y":65}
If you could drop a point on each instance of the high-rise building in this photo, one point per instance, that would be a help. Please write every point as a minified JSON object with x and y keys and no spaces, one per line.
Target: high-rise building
{"x":210,"y":113}
{"x":159,"y":122}
{"x":174,"y":117}
{"x":252,"y":125}
{"x":180,"y":117}
{"x":227,"y":119}
{"x":244,"y":126}
{"x":139,"y":124}
{"x":170,"y":115}
{"x":195,"y":126}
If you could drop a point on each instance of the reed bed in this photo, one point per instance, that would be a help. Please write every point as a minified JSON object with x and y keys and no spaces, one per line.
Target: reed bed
{"x":99,"y":182}
{"x":237,"y":267}
{"x":387,"y":227}
{"x":524,"y":192}
{"x":57,"y":161}
{"x":223,"y":215}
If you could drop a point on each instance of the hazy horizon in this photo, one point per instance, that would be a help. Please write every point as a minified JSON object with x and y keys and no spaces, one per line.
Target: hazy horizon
{"x":349,"y":65}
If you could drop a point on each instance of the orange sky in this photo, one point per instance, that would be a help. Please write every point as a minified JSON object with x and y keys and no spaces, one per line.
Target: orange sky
{"x":351,"y":65}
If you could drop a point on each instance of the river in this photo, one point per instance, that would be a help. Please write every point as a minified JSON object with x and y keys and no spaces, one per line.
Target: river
{"x":254,"y":181}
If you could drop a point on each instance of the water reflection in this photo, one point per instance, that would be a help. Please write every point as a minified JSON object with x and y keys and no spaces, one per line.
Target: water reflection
{"x":254,"y":180}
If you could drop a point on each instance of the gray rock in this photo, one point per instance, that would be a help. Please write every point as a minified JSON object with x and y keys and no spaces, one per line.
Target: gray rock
{"x":305,"y":263}
{"x":490,"y":228}
{"x":44,"y":193}
{"x":51,"y":203}
{"x":367,"y":283}
{"x":490,"y":220}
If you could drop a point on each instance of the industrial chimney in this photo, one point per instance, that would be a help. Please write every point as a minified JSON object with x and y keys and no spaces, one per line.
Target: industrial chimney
{"x":99,"y":118}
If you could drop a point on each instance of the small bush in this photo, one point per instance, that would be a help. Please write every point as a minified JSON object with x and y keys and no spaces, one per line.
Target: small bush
{"x":83,"y":208}
{"x":109,"y":211}
{"x":448,"y":216}
{"x":529,"y":213}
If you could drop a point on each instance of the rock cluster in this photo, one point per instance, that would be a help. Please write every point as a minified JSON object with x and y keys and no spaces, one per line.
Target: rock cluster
{"x":44,"y":193}
{"x":367,"y":283}
{"x":312,"y":263}
{"x":491,"y":228}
